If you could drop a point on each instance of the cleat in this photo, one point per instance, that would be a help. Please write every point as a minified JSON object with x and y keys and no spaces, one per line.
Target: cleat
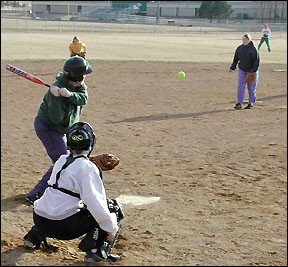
{"x":249,"y":106}
{"x":28,"y":244}
{"x":113,"y":257}
{"x":238,"y":106}
{"x":91,"y":257}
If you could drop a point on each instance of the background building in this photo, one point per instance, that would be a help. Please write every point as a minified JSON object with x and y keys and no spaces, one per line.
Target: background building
{"x":112,"y":10}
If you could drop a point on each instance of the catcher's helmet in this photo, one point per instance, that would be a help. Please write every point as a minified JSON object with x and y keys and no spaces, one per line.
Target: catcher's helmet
{"x":81,"y":137}
{"x":75,"y":67}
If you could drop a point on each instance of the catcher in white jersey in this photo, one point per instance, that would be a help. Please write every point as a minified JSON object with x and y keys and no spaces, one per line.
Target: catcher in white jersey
{"x":266,"y":33}
{"x":75,"y":202}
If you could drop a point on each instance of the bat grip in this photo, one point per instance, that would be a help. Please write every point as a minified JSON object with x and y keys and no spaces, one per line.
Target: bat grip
{"x":46,"y":84}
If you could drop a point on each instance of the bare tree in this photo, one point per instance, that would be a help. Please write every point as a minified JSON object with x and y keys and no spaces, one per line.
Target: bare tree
{"x":262,"y":9}
{"x":284,"y":3}
{"x":270,"y":8}
{"x":275,"y":11}
{"x":158,"y":12}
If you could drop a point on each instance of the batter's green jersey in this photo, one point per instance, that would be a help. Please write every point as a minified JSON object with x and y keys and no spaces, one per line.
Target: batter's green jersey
{"x":60,"y":113}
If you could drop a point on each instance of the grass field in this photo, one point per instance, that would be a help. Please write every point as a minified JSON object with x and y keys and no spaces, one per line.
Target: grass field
{"x":201,"y":48}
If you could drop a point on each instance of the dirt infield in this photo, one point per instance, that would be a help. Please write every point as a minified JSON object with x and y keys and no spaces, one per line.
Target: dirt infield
{"x":221,"y":174}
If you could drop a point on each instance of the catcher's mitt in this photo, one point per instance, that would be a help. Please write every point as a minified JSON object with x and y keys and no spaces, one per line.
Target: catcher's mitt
{"x":82,"y":54}
{"x":250,"y":77}
{"x":106,"y":162}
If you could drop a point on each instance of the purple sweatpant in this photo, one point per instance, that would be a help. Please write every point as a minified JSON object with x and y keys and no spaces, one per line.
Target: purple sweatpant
{"x":251,"y":87}
{"x":55,"y":145}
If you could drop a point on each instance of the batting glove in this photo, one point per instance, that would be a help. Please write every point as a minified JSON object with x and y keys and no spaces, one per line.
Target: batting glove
{"x":64,"y":92}
{"x":54,"y":90}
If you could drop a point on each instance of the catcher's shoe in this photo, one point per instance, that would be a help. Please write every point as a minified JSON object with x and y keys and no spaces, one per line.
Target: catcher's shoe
{"x":249,"y":106}
{"x":33,"y":239}
{"x":97,"y":256}
{"x":29,"y":245}
{"x":238,"y":106}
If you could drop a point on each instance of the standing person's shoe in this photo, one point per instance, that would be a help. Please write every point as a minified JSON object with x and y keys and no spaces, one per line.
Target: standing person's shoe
{"x":238,"y":106}
{"x":249,"y":106}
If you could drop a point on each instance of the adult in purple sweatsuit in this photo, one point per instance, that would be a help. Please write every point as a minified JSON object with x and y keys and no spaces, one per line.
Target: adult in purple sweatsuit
{"x":247,"y":58}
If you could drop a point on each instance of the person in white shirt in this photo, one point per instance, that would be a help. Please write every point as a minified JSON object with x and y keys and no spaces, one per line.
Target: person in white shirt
{"x":75,"y":202}
{"x":266,"y":33}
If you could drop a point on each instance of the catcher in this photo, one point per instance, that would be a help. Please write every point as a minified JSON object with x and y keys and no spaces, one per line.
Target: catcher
{"x":247,"y":58}
{"x":77,"y":48}
{"x":75,"y":203}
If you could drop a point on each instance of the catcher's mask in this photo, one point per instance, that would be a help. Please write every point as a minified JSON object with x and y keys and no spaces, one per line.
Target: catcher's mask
{"x":75,"y":67}
{"x":81,"y":137}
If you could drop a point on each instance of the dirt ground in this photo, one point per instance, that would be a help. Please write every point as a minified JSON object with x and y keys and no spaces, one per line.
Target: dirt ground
{"x":221,"y":174}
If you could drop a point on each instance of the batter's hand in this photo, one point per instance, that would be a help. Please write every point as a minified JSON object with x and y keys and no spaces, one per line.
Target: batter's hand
{"x":110,"y":236}
{"x":54,"y":90}
{"x":230,"y":70}
{"x":64,"y":92}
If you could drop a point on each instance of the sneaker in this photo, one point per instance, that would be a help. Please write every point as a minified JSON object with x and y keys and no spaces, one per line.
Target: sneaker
{"x":33,"y":198}
{"x":28,"y":244}
{"x":238,"y":106}
{"x":249,"y":106}
{"x":91,"y":257}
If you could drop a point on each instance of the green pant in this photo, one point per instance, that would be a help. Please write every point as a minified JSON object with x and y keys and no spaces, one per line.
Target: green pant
{"x":266,"y":41}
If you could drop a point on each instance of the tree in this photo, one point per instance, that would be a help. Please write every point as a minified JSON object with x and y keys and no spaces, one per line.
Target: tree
{"x":262,"y":9}
{"x":215,"y":10}
{"x":275,"y":11}
{"x":282,"y":10}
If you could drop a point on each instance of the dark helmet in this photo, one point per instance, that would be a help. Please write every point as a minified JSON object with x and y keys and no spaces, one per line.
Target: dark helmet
{"x":81,"y":137}
{"x":75,"y":67}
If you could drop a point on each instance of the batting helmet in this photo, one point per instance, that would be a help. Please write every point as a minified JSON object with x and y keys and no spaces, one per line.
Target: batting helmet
{"x":75,"y":67}
{"x":81,"y":137}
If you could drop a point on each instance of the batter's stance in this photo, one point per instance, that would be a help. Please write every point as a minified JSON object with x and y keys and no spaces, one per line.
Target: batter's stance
{"x":75,"y":202}
{"x":60,"y":109}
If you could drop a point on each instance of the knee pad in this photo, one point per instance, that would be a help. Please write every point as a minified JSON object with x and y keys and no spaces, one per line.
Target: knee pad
{"x":115,"y":207}
{"x":97,"y":238}
{"x":92,"y":239}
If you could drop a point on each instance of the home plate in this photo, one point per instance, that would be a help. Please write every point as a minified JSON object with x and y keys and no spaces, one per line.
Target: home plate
{"x":136,"y":200}
{"x":257,"y":101}
{"x":279,"y":70}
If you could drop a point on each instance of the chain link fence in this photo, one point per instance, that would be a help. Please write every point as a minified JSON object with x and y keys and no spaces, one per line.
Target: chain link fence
{"x":127,"y":23}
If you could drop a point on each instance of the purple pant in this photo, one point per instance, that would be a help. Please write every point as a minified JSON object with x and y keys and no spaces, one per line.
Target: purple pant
{"x":55,"y":145}
{"x":251,"y":87}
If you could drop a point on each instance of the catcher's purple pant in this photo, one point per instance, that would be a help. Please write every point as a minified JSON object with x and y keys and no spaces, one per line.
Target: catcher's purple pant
{"x":251,"y":87}
{"x":55,"y":145}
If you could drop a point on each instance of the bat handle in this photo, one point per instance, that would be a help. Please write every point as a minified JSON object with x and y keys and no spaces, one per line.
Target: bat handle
{"x":46,"y":84}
